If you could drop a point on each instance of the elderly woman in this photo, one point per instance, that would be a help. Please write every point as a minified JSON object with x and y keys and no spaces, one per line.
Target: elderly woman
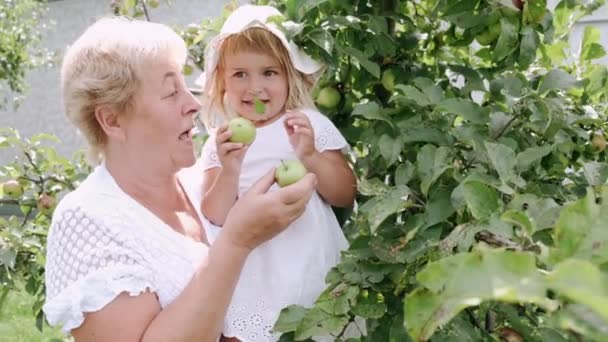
{"x":128,"y":258}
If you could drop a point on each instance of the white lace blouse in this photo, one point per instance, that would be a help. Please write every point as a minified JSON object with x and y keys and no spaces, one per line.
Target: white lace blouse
{"x":102,"y":243}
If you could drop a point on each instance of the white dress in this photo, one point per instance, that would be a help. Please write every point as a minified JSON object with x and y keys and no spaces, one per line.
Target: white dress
{"x":102,"y":243}
{"x":290,"y":268}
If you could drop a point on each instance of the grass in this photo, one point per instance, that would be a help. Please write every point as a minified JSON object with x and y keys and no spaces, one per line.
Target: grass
{"x":18,"y":323}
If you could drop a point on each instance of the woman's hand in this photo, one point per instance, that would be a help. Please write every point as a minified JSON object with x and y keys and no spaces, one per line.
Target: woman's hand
{"x":230,"y":154}
{"x":301,"y":134}
{"x":258,"y":216}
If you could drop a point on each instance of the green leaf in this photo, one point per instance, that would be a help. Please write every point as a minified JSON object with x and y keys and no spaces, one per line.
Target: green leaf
{"x":380,"y":207}
{"x":591,"y":45}
{"x":260,"y":108}
{"x":438,"y":207}
{"x":371,"y":67}
{"x":469,"y":110}
{"x":580,"y":231}
{"x":432,"y":91}
{"x":317,"y":322}
{"x":481,"y":200}
{"x":508,"y":39}
{"x":528,"y":46}
{"x":411,"y":95}
{"x":289,"y":318}
{"x":338,"y":301}
{"x":371,"y":305}
{"x":371,"y":111}
{"x":432,"y":162}
{"x":582,"y":282}
{"x":323,"y":39}
{"x":390,"y":148}
{"x":371,"y":187}
{"x":596,"y":173}
{"x":7,"y":257}
{"x":456,"y":282}
{"x":543,"y":211}
{"x":404,"y":173}
{"x":520,"y":219}
{"x":530,"y":156}
{"x":534,"y":11}
{"x":556,"y":79}
{"x":503,"y":159}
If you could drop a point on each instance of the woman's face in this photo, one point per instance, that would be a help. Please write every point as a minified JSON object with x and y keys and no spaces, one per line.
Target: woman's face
{"x":251,"y":75}
{"x":159,"y":127}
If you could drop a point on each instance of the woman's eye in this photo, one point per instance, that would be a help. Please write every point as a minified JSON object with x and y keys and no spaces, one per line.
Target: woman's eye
{"x":270,"y":73}
{"x":172,"y":94}
{"x":239,"y":74}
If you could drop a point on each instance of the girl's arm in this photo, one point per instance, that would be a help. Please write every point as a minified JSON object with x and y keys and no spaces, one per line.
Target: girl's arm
{"x":220,"y":184}
{"x":220,"y":191}
{"x":336,"y":181}
{"x":197,"y":314}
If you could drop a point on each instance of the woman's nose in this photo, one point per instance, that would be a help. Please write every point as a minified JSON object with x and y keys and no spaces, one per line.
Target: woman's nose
{"x":192,"y":105}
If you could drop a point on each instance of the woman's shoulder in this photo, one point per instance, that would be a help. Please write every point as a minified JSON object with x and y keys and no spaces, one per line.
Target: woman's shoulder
{"x":94,"y":198}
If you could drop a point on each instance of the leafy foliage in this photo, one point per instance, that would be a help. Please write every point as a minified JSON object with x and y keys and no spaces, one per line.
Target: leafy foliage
{"x":21,"y":29}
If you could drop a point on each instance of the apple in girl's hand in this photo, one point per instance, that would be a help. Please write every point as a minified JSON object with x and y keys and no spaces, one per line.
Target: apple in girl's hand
{"x":289,"y":172}
{"x":243,"y":131}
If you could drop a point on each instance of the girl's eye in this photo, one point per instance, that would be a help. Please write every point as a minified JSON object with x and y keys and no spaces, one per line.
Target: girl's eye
{"x":270,"y":73}
{"x":239,"y":74}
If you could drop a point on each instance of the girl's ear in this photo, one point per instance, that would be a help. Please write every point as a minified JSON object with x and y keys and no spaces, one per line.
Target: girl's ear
{"x":109,"y":121}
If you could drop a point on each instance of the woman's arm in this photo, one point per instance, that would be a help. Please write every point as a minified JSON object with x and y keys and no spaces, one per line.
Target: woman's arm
{"x":197,"y":314}
{"x":336,"y":181}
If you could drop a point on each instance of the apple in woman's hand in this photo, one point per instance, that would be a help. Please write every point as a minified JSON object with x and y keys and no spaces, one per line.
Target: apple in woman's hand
{"x":289,"y":172}
{"x":243,"y":131}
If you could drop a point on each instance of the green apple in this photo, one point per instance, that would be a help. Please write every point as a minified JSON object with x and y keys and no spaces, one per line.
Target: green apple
{"x":328,"y":97}
{"x":243,"y":130}
{"x":46,"y":204}
{"x":12,"y":189}
{"x":289,"y":172}
{"x":388,"y":80}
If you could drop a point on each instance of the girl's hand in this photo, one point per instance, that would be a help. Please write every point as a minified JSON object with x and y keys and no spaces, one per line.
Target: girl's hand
{"x":230,"y":154}
{"x":300,"y":133}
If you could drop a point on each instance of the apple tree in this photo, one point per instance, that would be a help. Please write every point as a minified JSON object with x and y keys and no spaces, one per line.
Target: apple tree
{"x":478,"y":139}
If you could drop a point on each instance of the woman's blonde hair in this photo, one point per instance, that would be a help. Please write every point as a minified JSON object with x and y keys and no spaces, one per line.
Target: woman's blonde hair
{"x":257,"y":40}
{"x":104,"y":67}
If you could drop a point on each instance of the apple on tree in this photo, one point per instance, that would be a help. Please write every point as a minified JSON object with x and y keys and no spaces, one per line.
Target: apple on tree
{"x":243,"y":130}
{"x":46,"y":204}
{"x":12,"y":189}
{"x":289,"y":172}
{"x":328,"y":97}
{"x":388,"y":80}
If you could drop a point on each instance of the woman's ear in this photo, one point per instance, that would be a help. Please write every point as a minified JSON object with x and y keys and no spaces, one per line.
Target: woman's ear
{"x":108,"y":121}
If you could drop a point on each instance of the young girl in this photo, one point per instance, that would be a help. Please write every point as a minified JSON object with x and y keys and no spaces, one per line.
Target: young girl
{"x":251,"y":61}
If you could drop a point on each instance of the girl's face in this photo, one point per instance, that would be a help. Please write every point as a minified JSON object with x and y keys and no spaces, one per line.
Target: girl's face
{"x":159,"y":129}
{"x":251,"y":75}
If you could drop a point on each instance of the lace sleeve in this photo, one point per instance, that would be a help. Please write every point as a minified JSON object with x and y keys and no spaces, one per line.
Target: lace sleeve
{"x":88,"y":266}
{"x":327,"y":136}
{"x":209,"y":154}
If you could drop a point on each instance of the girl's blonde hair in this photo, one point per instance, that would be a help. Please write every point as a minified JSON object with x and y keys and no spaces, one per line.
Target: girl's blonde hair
{"x":257,"y":40}
{"x":104,"y":67}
